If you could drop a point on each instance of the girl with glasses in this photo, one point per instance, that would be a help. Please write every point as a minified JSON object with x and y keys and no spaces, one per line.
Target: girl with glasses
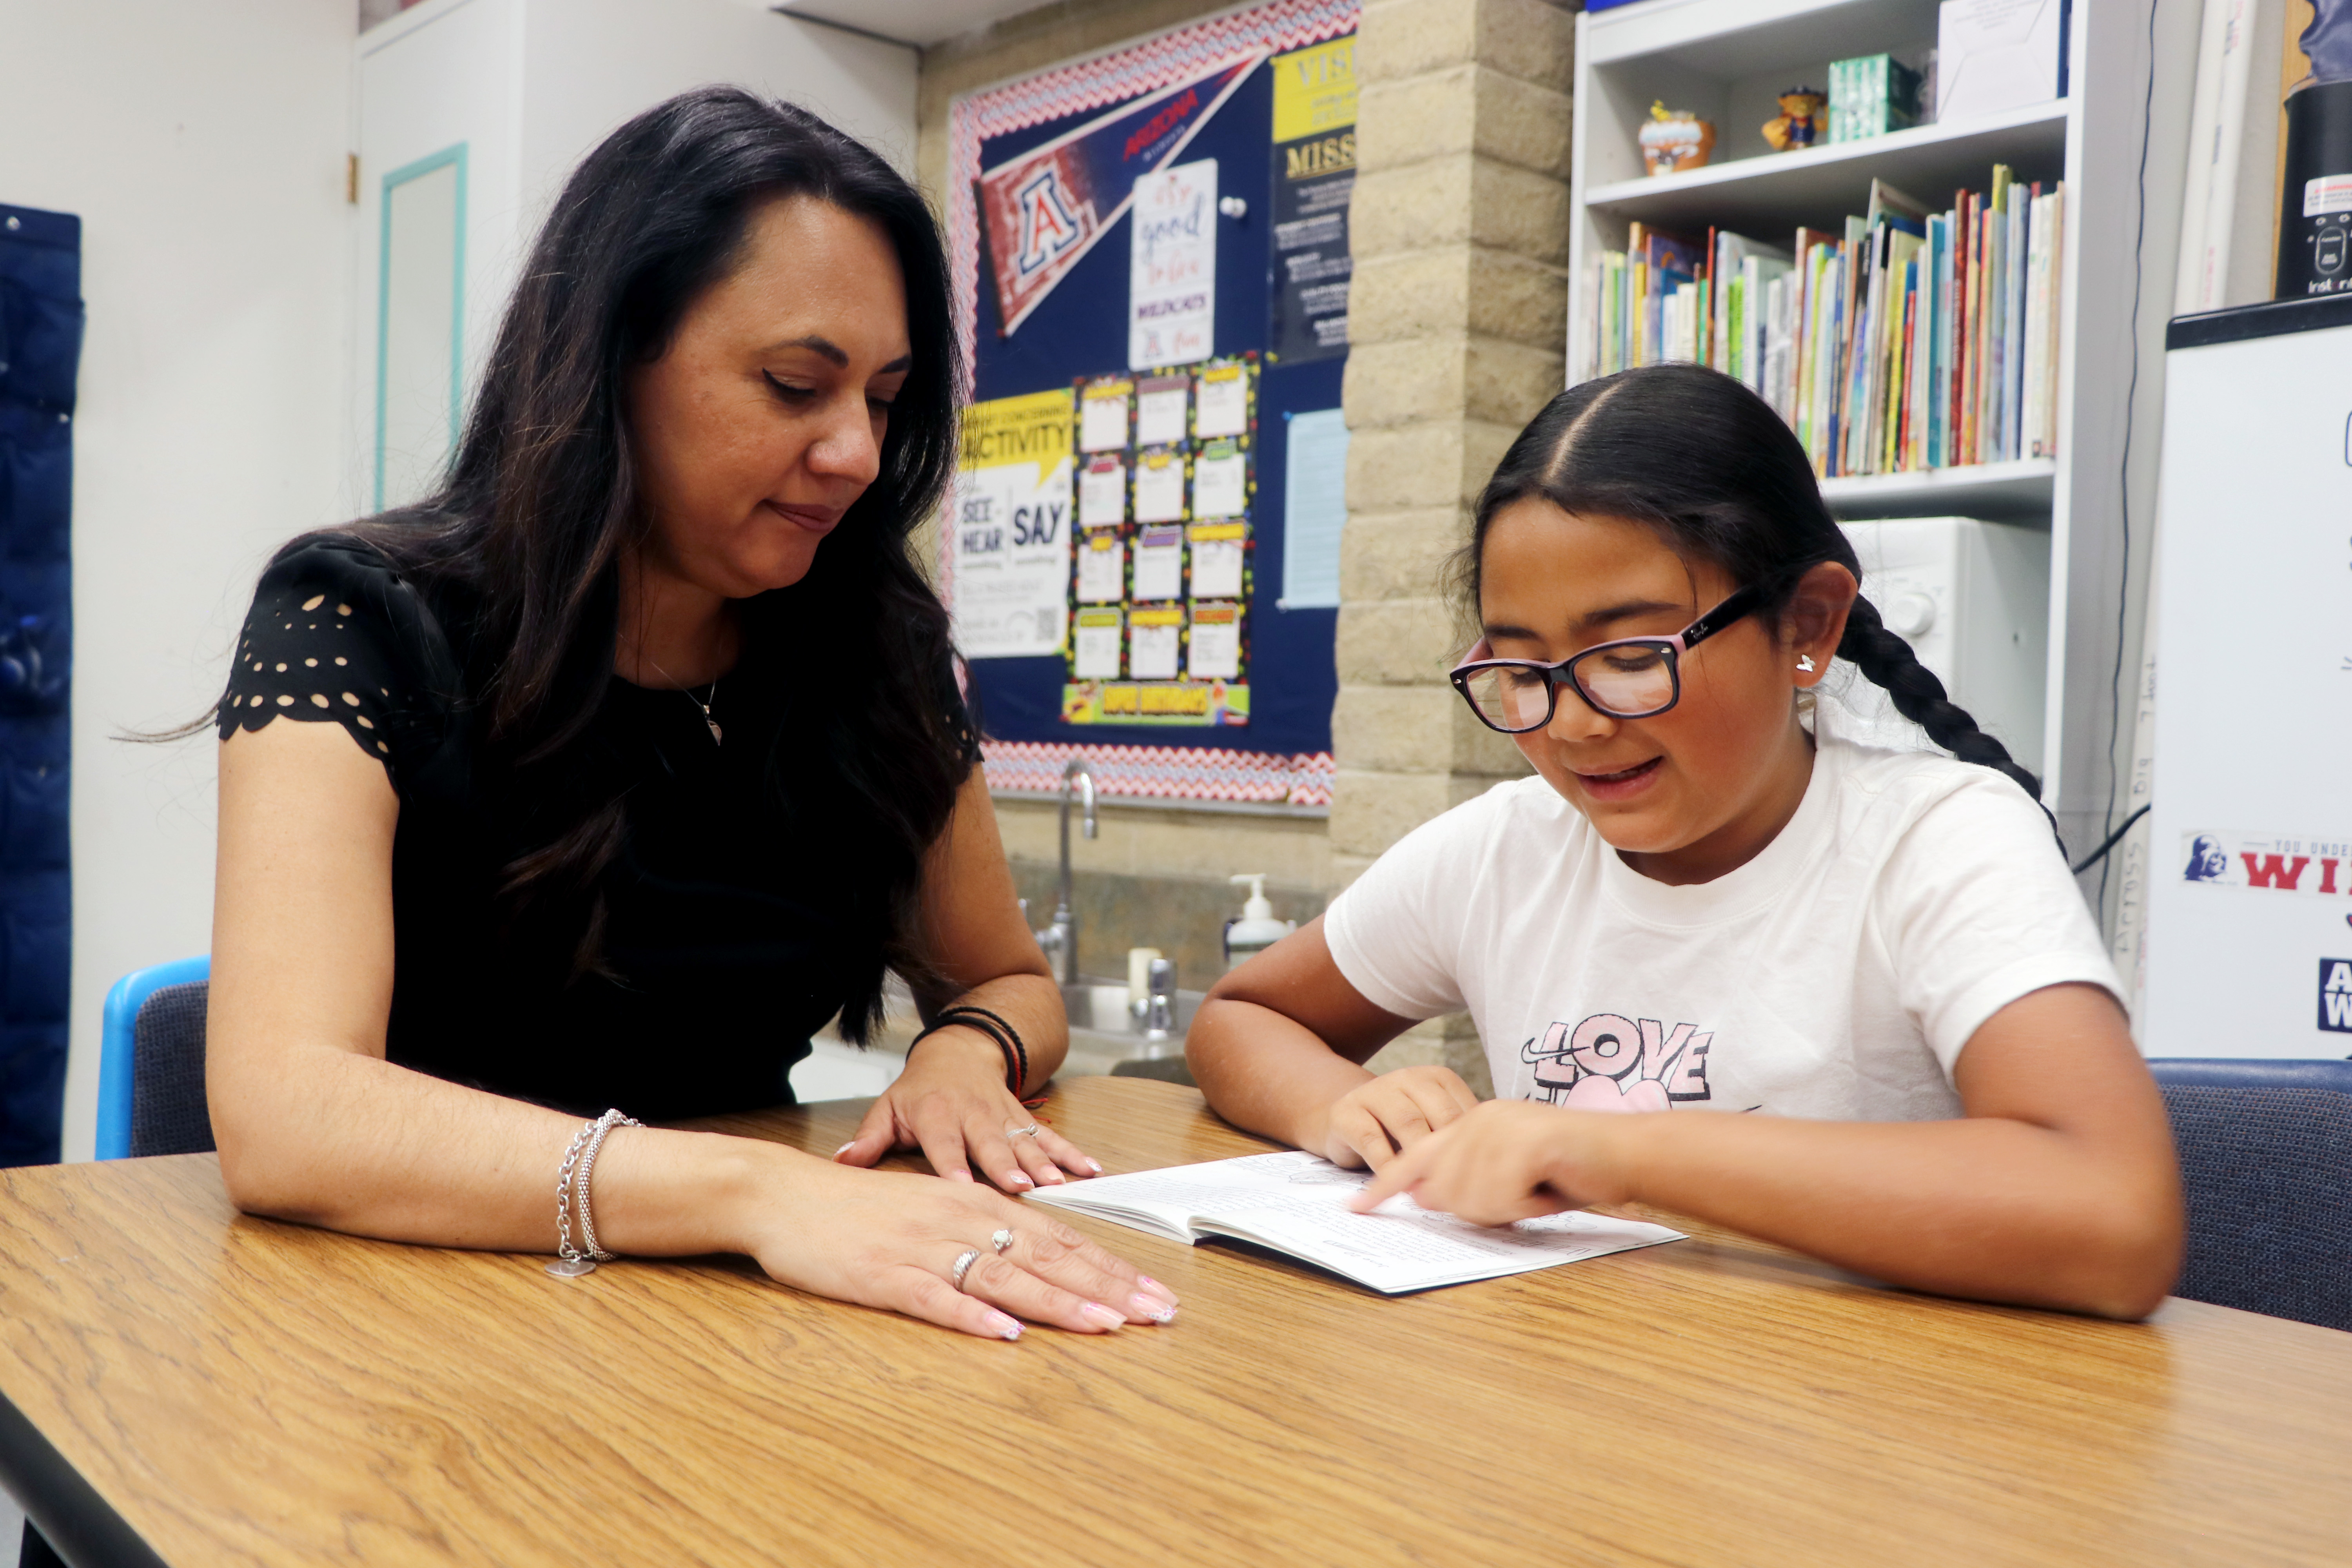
{"x":1718,"y":894}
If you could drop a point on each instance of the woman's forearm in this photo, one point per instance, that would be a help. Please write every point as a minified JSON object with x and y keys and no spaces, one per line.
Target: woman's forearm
{"x":1985,"y":1208}
{"x":1266,"y":1071}
{"x":354,"y":1143}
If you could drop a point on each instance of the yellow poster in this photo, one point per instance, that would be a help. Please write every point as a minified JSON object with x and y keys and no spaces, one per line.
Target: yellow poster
{"x":1315,"y":89}
{"x":1011,"y":527}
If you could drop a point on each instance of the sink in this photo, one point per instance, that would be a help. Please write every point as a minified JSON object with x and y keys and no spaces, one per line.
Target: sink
{"x":1105,"y":1032}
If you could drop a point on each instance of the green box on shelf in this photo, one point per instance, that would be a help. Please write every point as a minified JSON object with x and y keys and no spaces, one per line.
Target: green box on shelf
{"x":1871,"y":95}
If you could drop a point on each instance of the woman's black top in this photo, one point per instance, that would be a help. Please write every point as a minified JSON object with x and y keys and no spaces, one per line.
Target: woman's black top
{"x":730,"y":931}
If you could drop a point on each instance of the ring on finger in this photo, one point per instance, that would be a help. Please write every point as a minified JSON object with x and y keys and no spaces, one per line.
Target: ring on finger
{"x":1001,"y":1241}
{"x":1032,"y":1131}
{"x":964,"y":1260}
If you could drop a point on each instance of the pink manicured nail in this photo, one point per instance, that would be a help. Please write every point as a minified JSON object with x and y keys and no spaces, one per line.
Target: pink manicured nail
{"x":844,"y":1149}
{"x":1003,"y":1326}
{"x":1100,"y":1316}
{"x":1157,"y":1289}
{"x":1052,"y":1174}
{"x":1017,"y":1180}
{"x":1152,"y":1307}
{"x":1095,"y":1166}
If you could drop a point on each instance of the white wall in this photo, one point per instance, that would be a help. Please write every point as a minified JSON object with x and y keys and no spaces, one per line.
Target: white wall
{"x":203,"y":147}
{"x":531,"y":86}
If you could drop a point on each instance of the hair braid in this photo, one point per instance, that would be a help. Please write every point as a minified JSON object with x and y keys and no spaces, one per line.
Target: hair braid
{"x":1919,"y":697}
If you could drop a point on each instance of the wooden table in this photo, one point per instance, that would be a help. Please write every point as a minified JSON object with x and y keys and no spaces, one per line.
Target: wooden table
{"x":196,"y":1387}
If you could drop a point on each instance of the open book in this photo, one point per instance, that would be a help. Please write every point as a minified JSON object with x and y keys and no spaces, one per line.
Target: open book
{"x":1298,"y":1203}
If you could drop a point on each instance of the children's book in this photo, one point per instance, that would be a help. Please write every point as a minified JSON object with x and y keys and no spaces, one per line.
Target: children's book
{"x":1296,"y":1202}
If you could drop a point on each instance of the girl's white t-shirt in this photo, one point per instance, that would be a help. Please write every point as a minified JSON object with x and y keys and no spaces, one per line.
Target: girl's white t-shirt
{"x":1837,"y":975}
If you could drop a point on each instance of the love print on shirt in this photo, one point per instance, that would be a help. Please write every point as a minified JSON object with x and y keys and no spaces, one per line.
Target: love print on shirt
{"x":1610,"y":1062}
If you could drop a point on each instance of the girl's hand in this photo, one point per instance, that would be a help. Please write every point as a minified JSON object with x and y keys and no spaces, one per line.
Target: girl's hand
{"x":1512,"y":1160}
{"x":952,"y":1103}
{"x":1373,"y":1123}
{"x":891,"y":1240}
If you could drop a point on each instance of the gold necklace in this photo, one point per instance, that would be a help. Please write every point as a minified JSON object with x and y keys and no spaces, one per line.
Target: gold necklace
{"x":718,"y":737}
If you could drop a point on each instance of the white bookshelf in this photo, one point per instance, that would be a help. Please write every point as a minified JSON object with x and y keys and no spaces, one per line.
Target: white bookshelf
{"x":1730,"y":59}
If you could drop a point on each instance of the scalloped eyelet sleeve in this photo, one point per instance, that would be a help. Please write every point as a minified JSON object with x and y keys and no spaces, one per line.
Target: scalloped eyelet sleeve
{"x":317,"y":652}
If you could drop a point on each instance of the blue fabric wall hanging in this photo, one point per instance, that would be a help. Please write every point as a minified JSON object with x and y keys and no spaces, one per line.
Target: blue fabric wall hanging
{"x":40,"y":345}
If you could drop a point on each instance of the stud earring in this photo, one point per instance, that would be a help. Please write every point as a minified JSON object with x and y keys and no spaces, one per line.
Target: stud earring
{"x":1805,"y":662}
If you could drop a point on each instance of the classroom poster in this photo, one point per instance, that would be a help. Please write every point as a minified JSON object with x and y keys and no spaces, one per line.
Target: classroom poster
{"x":1169,"y":579}
{"x":1314,"y":177}
{"x":1012,"y":527}
{"x":1171,"y":285}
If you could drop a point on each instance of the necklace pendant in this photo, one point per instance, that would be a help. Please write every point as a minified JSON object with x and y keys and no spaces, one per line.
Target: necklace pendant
{"x":717,"y":737}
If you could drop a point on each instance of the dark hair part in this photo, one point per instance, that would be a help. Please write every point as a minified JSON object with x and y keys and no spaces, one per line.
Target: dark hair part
{"x":1708,"y":465}
{"x":540,"y":504}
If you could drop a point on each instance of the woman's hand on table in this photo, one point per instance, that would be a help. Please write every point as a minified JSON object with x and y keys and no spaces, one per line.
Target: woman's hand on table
{"x":952,"y":1103}
{"x":1511,"y":1160}
{"x":1375,"y":1122}
{"x":891,"y":1240}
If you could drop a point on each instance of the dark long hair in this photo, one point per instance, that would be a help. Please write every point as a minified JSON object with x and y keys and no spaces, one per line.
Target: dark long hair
{"x":1704,"y":461}
{"x":541,"y":503}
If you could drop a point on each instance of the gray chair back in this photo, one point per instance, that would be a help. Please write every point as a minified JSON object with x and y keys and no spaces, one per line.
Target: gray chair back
{"x":2266,"y":1166}
{"x":168,"y":1112}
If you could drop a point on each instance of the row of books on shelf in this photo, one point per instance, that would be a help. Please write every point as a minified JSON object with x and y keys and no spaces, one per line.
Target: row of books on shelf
{"x":1915,"y":340}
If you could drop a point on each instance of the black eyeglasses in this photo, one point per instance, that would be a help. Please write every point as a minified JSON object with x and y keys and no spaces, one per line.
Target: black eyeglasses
{"x":1632,"y":677}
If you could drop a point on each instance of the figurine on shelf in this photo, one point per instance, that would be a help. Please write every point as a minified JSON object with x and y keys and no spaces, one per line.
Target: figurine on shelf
{"x":1675,"y":140}
{"x":1800,"y":124}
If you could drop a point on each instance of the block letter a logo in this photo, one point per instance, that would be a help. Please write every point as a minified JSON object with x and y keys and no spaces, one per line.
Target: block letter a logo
{"x":2336,"y":995}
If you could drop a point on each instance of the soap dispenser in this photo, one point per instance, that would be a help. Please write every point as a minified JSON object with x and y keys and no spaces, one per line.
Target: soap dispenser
{"x":1257,"y":929}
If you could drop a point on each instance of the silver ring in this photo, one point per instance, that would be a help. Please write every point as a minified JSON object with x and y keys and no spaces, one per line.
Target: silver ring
{"x":1029,"y":1131}
{"x":964,"y":1266}
{"x":1001,"y":1241}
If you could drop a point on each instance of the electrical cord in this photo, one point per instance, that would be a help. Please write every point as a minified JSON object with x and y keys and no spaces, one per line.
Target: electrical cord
{"x":2096,"y":855}
{"x":2131,"y":397}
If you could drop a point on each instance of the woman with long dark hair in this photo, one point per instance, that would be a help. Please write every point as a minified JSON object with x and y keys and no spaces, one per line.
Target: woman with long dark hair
{"x":637,"y":754}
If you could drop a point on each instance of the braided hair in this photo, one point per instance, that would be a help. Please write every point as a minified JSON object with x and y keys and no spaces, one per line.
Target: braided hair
{"x":1695,"y":456}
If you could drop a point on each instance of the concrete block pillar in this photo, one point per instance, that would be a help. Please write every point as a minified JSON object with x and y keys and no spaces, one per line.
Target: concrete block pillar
{"x":1456,"y":320}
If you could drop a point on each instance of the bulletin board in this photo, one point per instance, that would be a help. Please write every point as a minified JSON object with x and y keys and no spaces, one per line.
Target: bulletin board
{"x":1151,"y":271}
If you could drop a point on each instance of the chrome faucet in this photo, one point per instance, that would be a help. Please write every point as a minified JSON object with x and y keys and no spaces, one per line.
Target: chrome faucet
{"x":1061,"y":937}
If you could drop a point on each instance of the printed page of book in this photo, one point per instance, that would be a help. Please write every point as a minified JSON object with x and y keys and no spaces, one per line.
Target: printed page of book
{"x":1298,"y":1203}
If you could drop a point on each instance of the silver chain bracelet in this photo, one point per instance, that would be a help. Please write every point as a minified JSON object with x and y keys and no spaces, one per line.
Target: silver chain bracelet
{"x":570,"y":1262}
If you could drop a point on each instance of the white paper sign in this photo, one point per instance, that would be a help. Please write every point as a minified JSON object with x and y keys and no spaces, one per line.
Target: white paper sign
{"x":1095,"y":655}
{"x":1216,"y":642}
{"x":1314,"y":509}
{"x":1159,"y":563}
{"x":1102,"y":420}
{"x":1220,"y":481}
{"x":1012,"y":560}
{"x":1154,"y":639}
{"x":1102,"y":493}
{"x":1171,"y":287}
{"x":1161,"y":404}
{"x":1160,"y":487}
{"x":1217,"y":559}
{"x":1102,"y":568}
{"x":1223,"y":407}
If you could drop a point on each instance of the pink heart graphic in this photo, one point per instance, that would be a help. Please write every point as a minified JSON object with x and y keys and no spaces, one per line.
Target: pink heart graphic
{"x":1602,"y":1094}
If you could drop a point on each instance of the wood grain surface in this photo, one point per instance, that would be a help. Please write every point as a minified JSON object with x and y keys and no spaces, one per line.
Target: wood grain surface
{"x":242,"y":1391}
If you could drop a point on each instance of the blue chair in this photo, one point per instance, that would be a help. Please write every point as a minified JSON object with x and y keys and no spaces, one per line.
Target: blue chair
{"x":151,"y":1063}
{"x":2266,"y":1166}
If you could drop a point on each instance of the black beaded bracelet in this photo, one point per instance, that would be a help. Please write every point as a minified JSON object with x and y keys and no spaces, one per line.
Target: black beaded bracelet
{"x":1003,"y":1036}
{"x":995,"y":1025}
